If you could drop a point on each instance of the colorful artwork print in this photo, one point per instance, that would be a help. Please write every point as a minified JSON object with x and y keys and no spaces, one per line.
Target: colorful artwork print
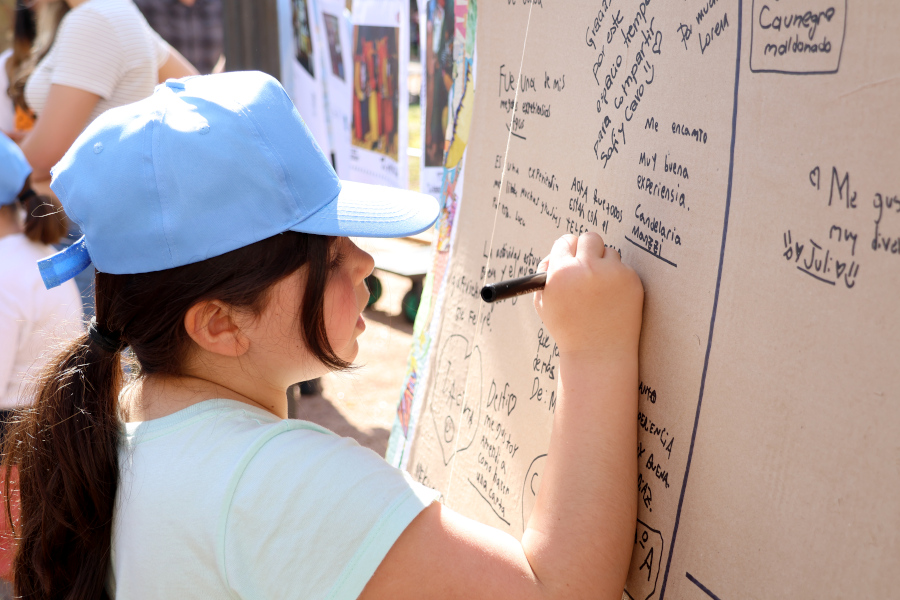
{"x":302,"y":35}
{"x":332,"y":30}
{"x":439,"y":65}
{"x":376,"y":89}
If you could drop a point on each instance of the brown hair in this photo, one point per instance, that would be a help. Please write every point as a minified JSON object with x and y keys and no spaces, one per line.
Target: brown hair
{"x":66,"y":445}
{"x":45,"y":219}
{"x":34,"y":35}
{"x":24,"y":32}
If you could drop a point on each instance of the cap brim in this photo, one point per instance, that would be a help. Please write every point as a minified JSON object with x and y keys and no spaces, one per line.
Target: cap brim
{"x":365,"y":210}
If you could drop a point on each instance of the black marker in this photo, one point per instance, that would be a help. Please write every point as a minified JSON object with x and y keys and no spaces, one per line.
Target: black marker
{"x":513,"y":287}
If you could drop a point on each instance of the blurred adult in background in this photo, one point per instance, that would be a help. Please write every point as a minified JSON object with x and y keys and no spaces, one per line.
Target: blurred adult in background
{"x":32,"y":318}
{"x":193,"y":27}
{"x":89,"y":56}
{"x":16,"y":119}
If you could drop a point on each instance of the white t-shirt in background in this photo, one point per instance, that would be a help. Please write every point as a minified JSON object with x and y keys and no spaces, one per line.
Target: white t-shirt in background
{"x":33,"y":319}
{"x":104,"y":47}
{"x":225,"y":500}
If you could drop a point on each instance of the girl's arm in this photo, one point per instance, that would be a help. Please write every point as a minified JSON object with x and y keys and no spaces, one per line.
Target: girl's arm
{"x":64,"y":116}
{"x":175,"y":66}
{"x":579,"y":538}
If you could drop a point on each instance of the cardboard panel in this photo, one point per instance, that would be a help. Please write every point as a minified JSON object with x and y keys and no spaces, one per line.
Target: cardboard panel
{"x":741,"y":155}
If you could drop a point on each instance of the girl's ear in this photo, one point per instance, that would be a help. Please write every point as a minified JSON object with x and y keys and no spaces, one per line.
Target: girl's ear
{"x":213,"y":325}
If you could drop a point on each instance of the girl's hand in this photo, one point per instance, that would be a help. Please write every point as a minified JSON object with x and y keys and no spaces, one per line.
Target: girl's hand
{"x":579,"y":537}
{"x":592,"y":302}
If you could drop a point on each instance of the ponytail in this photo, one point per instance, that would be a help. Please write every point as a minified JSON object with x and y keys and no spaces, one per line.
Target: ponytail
{"x":65,"y":448}
{"x":45,"y":220}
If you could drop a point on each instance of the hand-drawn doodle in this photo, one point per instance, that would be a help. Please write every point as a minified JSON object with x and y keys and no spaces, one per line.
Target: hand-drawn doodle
{"x":531,"y":486}
{"x":456,"y":396}
{"x":645,"y":559}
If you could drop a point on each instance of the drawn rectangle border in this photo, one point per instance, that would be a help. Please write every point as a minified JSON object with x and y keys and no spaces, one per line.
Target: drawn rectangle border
{"x":782,"y":72}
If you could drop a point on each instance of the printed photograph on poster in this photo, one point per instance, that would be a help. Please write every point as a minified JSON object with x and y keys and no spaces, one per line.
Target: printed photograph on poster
{"x":377,"y":54}
{"x":303,"y":35}
{"x":332,"y":25}
{"x":439,"y":78}
{"x":376,"y":89}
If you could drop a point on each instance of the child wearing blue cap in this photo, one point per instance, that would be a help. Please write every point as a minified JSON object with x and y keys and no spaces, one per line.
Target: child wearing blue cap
{"x":31,"y":318}
{"x":219,"y":234}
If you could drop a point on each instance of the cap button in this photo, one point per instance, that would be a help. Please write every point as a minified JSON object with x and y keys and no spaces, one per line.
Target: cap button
{"x":203,"y":129}
{"x":98,"y":148}
{"x":174,"y":84}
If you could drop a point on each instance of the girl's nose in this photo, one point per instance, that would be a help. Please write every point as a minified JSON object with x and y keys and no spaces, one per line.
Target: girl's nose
{"x":363,"y":263}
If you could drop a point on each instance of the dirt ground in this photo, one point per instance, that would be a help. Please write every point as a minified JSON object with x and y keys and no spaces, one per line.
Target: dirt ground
{"x":361,"y":404}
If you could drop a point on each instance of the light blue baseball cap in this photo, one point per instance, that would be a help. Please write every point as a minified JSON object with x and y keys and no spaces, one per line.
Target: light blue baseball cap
{"x":204,"y":166}
{"x":14,"y":170}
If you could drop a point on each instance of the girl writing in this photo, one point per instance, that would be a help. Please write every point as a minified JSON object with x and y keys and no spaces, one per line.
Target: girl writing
{"x":218,"y":230}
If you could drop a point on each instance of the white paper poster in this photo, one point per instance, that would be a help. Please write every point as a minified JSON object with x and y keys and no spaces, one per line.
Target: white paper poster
{"x":380,"y":100}
{"x":336,"y":27}
{"x":302,"y":66}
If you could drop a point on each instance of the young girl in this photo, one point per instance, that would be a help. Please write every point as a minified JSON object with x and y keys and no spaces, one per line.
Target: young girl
{"x":217,"y":228}
{"x":31,"y":317}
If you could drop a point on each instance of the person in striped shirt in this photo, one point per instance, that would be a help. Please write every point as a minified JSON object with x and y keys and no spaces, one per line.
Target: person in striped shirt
{"x":103,"y":55}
